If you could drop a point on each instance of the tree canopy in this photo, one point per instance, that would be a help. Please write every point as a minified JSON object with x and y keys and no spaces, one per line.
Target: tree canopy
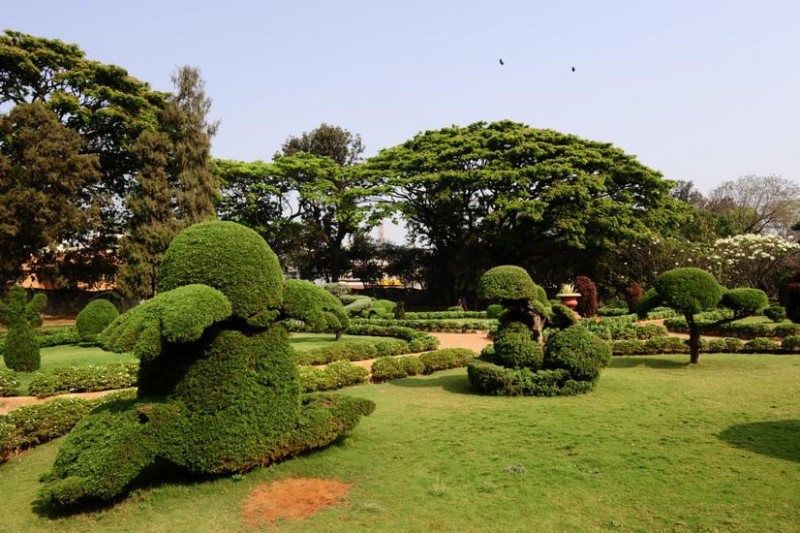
{"x":504,"y":192}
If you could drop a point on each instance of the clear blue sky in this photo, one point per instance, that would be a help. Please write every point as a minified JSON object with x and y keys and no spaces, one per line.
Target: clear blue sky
{"x":700,"y":90}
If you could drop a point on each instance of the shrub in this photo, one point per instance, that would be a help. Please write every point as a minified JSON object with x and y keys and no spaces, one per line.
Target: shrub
{"x":628,"y":347}
{"x":722,"y":345}
{"x":587,"y":303}
{"x":633,"y":293}
{"x":446,"y":358}
{"x":689,"y":290}
{"x":666,"y":345}
{"x":612,"y":311}
{"x":358,"y":305}
{"x":745,"y":301}
{"x":388,"y":368}
{"x":577,"y":351}
{"x":317,"y":308}
{"x":84,"y":379}
{"x":791,"y":343}
{"x":58,"y":336}
{"x":399,"y":311}
{"x":340,"y":351}
{"x":760,"y":344}
{"x":506,"y":282}
{"x":514,"y":347}
{"x":494,"y":310}
{"x":561,"y":316}
{"x":389,"y":347}
{"x":334,"y":376}
{"x":9,"y":382}
{"x":776,"y":313}
{"x":792,"y":296}
{"x":94,"y":318}
{"x":493,"y":379}
{"x":21,"y":347}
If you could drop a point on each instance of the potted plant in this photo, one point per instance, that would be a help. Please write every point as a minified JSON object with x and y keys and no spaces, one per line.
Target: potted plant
{"x":568,"y":295}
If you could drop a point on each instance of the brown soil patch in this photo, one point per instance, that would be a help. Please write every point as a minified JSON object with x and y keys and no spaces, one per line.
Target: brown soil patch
{"x":12,"y":402}
{"x":291,"y":499}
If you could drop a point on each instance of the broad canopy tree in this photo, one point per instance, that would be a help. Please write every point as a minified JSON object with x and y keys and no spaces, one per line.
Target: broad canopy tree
{"x":504,"y":192}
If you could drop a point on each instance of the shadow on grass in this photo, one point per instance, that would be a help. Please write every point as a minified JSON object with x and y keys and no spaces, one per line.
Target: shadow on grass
{"x":650,"y":362}
{"x":780,"y":438}
{"x":458,"y":384}
{"x":157,"y":475}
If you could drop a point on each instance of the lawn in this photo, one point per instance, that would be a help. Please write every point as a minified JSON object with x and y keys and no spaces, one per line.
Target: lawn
{"x":658,"y":446}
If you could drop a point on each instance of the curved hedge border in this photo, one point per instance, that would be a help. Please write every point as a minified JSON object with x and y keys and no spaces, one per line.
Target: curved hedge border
{"x":90,"y":378}
{"x":440,"y":315}
{"x":418,"y":341}
{"x":429,"y":325}
{"x":353,"y":351}
{"x":668,"y":345}
{"x":36,"y":424}
{"x":388,"y":368}
{"x":333,"y":376}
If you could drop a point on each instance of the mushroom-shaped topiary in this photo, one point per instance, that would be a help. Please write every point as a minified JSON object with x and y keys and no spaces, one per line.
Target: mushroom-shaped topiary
{"x":94,"y":318}
{"x":690,"y":291}
{"x":219,"y":387}
{"x":517,"y":364}
{"x":315,"y":306}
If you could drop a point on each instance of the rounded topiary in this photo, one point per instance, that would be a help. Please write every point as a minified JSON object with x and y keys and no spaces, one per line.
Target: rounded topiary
{"x":587,"y":303}
{"x":94,"y":318}
{"x":320,"y":310}
{"x":688,"y":290}
{"x":745,"y":300}
{"x":232,"y":259}
{"x":561,"y":316}
{"x":514,"y":347}
{"x":776,"y":313}
{"x":579,"y":351}
{"x":494,"y":311}
{"x":506,"y":283}
{"x":21,"y":347}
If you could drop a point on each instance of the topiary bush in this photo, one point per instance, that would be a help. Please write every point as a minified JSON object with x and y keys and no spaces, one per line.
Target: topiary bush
{"x":333,"y":376}
{"x":776,"y":313}
{"x":84,"y":379}
{"x":21,"y":346}
{"x":633,"y":293}
{"x":388,"y":368}
{"x":219,"y":388}
{"x":445,"y":359}
{"x":747,"y":301}
{"x":587,"y":303}
{"x":317,"y":308}
{"x":516,"y":364}
{"x":791,"y":344}
{"x":494,"y":310}
{"x":94,"y":318}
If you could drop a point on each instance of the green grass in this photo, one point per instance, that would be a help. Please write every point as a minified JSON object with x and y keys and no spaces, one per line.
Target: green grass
{"x":658,"y":446}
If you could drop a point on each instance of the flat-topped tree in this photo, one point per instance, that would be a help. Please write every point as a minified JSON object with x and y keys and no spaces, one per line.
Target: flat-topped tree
{"x":691,"y":291}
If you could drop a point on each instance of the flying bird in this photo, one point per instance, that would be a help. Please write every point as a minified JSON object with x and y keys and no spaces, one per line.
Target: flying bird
{"x":501,"y":61}
{"x":573,"y":69}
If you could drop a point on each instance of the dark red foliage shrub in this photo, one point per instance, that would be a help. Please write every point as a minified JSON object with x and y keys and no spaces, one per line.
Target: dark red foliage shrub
{"x":793,"y":302}
{"x":633,"y":293}
{"x":587,"y":303}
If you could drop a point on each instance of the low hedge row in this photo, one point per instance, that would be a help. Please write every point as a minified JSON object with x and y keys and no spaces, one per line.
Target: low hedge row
{"x":84,"y":379}
{"x":354,"y":351}
{"x":418,"y":341}
{"x":50,"y":336}
{"x":501,"y":381}
{"x":742,"y":330}
{"x":623,"y":329}
{"x":662,"y":345}
{"x":440,"y":315}
{"x":9,"y":382}
{"x":430,"y":325}
{"x":333,"y":376}
{"x":388,"y":368}
{"x":36,"y":424}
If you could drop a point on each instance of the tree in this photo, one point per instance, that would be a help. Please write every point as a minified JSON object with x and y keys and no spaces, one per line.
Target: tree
{"x":43,"y":179}
{"x":21,"y":352}
{"x":691,"y":291}
{"x":508,"y":193}
{"x":174,"y":185}
{"x":758,"y":204}
{"x":343,"y":147}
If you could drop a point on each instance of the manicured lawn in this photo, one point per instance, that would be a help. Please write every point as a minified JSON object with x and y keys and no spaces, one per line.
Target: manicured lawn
{"x":310,"y":341}
{"x":658,"y":446}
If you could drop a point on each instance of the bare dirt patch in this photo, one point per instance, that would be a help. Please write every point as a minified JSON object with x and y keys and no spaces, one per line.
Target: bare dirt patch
{"x":291,"y":499}
{"x":12,"y":402}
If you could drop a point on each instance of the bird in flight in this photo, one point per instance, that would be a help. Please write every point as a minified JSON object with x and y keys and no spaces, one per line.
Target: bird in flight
{"x":573,"y":69}
{"x":502,"y":63}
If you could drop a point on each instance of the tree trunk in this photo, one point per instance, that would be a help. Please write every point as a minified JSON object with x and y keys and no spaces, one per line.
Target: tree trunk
{"x":694,"y":340}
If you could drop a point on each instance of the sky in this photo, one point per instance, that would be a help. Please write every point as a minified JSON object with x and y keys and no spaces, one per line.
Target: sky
{"x":699,"y":90}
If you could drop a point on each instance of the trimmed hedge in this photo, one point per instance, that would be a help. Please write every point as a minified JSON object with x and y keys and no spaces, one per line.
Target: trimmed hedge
{"x":579,"y":352}
{"x":430,"y":325}
{"x":334,"y":376}
{"x":84,"y":379}
{"x":36,"y":424}
{"x":441,"y":315}
{"x":9,"y":382}
{"x":669,"y":345}
{"x":388,"y":368}
{"x":418,"y":341}
{"x":446,"y":359}
{"x":497,"y":380}
{"x":743,"y":330}
{"x":354,"y":351}
{"x":94,"y":318}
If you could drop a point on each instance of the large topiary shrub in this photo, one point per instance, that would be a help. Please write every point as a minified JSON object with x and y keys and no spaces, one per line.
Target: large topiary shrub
{"x":94,"y":318}
{"x":516,"y":364}
{"x":21,"y":346}
{"x":219,"y":387}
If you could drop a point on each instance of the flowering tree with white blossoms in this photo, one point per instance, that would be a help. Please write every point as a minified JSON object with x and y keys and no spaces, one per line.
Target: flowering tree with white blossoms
{"x":749,"y":260}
